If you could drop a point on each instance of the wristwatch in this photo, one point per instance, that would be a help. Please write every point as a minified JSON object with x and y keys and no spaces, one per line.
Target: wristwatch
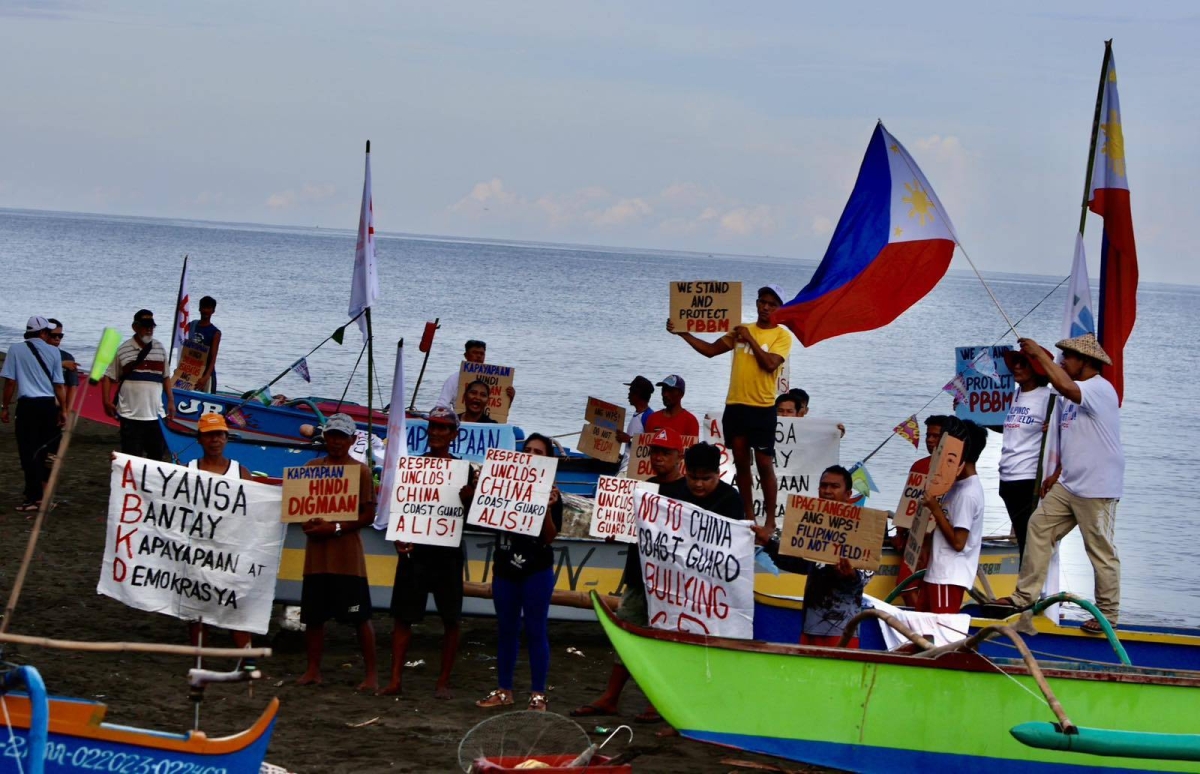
{"x":337,"y":529}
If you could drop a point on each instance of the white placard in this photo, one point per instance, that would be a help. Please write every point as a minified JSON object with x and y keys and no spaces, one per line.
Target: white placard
{"x":425,"y":503}
{"x":191,"y":544}
{"x":513,"y":492}
{"x":613,"y":514}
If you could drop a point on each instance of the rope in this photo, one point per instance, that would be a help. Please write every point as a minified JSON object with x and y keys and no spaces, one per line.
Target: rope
{"x":361,"y":352}
{"x":12,"y":737}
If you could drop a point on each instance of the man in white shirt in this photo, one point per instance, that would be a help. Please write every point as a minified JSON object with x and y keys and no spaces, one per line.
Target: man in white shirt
{"x":475,"y":351}
{"x":33,"y":373}
{"x":1084,"y":492}
{"x":140,"y":374}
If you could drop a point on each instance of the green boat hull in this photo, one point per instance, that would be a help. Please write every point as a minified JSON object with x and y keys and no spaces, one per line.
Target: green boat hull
{"x":864,"y":711}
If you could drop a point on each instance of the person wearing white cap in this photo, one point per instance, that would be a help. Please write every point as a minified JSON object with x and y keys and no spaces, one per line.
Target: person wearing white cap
{"x":1086,"y":488}
{"x":33,"y":372}
{"x":759,"y":350}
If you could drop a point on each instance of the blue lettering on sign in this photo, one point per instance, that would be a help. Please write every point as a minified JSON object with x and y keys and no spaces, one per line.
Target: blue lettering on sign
{"x":472,"y":443}
{"x":988,"y":400}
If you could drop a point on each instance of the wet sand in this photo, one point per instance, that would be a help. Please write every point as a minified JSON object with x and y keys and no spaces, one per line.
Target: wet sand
{"x":313,"y":734}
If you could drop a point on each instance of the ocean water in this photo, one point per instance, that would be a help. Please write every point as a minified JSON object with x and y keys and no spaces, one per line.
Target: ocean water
{"x":576,"y":321}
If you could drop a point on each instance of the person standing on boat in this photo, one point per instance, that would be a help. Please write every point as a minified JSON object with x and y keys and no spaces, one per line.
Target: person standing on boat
{"x":673,"y":414}
{"x":139,"y":372}
{"x":1086,"y":488}
{"x":213,"y":436}
{"x":522,"y":583}
{"x":832,"y":592}
{"x":1022,"y":445}
{"x":666,"y":452}
{"x":749,"y":421}
{"x":641,"y":390}
{"x":475,"y":403}
{"x":335,"y":570}
{"x":957,"y":534}
{"x":422,"y":570}
{"x":933,"y":436}
{"x":475,"y":351}
{"x":204,"y":333}
{"x":33,"y":372}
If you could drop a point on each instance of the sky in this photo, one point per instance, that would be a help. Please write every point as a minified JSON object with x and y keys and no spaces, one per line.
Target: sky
{"x":708,"y":127}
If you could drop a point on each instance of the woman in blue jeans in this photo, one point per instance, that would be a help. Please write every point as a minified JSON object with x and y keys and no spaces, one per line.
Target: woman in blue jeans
{"x":522,"y":582}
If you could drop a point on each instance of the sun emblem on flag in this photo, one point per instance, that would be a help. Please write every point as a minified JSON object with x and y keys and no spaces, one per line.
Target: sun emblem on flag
{"x":1114,"y":143}
{"x":919,"y":201}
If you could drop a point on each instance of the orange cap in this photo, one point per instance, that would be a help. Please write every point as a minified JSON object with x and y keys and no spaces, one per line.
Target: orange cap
{"x":211,"y":423}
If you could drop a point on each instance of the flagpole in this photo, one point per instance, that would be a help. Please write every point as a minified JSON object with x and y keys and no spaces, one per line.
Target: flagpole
{"x":424,"y":363}
{"x":370,"y":358}
{"x":1087,"y":178}
{"x":175,"y":315}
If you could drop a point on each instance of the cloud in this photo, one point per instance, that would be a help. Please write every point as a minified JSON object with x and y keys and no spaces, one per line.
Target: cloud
{"x":747,"y":221}
{"x":624,"y":211}
{"x":822,"y":226}
{"x":309,"y":193}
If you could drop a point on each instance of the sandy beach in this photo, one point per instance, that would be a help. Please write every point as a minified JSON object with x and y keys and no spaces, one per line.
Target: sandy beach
{"x":314,"y":732}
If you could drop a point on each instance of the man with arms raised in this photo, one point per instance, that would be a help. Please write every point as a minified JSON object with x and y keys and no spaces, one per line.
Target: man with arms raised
{"x":749,"y":422}
{"x":1085,"y":491}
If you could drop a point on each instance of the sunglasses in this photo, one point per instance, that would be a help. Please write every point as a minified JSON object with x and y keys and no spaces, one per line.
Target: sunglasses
{"x":57,"y":336}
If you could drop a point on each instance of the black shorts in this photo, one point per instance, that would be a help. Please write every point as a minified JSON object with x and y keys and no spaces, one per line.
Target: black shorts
{"x":344,"y":598}
{"x":436,"y":570}
{"x":755,"y":423}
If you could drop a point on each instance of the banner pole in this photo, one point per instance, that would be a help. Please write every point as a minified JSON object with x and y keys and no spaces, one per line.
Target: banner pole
{"x":412,"y":404}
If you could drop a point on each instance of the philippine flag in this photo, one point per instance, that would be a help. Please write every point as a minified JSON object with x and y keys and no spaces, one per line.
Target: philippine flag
{"x":893,"y":243}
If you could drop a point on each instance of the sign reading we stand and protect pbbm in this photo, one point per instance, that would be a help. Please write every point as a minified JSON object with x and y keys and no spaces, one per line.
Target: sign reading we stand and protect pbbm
{"x":513,"y":492}
{"x":498,"y":379}
{"x":827,"y":531}
{"x":706,"y":306}
{"x":328,"y":492}
{"x":426,"y":504}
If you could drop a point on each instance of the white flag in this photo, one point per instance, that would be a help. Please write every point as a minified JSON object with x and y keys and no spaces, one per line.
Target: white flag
{"x":364,"y":288}
{"x":182,"y":314}
{"x":1078,"y":318}
{"x":300,"y":368}
{"x":397,"y":443}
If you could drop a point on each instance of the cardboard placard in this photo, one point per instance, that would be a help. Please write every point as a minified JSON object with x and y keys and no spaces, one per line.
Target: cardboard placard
{"x":639,"y":455}
{"x":988,"y":399}
{"x":191,"y":544}
{"x":698,"y":567}
{"x":513,"y":492}
{"x":613,"y":514}
{"x":328,"y":492}
{"x":910,"y":501}
{"x":916,"y":538}
{"x":193,"y":358}
{"x":827,"y":530}
{"x":943,"y":467}
{"x":599,"y":443}
{"x":426,"y":507}
{"x":706,"y":306}
{"x":605,"y":414}
{"x":499,"y":379}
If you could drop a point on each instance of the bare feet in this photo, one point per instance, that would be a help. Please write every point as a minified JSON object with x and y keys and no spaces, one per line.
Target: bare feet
{"x":666,"y":733}
{"x":443,"y":692}
{"x":370,"y":684}
{"x":309,"y":678}
{"x":393,"y":689}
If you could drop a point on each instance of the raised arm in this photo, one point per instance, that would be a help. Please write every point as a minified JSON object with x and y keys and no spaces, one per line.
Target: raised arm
{"x":1065,"y":385}
{"x":767,"y":361}
{"x":706,"y":348}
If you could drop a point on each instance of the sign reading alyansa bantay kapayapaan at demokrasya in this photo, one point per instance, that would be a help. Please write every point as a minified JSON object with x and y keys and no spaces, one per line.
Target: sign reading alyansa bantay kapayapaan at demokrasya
{"x":191,"y":544}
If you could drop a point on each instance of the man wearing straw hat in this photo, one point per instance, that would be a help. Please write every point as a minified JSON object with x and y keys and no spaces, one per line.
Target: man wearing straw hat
{"x":1084,"y":491}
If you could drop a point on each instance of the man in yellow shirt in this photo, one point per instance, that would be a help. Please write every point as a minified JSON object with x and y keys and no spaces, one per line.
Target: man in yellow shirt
{"x":749,"y":422}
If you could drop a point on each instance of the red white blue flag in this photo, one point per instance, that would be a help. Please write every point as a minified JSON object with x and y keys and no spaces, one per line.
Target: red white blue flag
{"x":892,"y":244}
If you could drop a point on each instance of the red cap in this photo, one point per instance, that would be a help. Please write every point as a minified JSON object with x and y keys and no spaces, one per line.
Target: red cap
{"x":1012,"y":355}
{"x":667,"y":438}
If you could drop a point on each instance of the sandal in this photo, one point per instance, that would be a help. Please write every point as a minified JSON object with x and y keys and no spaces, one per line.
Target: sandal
{"x":591,"y":711}
{"x":497,"y":698}
{"x":650,"y":715}
{"x":28,"y":507}
{"x":1092,"y":626}
{"x":537,"y":702}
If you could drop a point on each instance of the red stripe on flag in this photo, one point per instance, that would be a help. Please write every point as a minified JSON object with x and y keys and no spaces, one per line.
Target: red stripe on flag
{"x":899,"y":277}
{"x":1118,"y":280}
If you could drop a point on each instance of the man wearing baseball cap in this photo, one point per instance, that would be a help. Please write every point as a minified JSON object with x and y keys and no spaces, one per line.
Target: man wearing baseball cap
{"x":33,"y":372}
{"x":759,"y":351}
{"x":641,"y":390}
{"x":1086,"y":488}
{"x":139,"y":372}
{"x":674,"y":415}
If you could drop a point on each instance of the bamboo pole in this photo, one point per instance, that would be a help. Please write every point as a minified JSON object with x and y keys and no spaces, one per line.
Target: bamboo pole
{"x":135,"y":647}
{"x":578,"y":599}
{"x":1087,"y":177}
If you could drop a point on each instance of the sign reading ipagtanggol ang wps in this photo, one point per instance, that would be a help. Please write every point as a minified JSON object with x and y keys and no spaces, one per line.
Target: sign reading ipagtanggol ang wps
{"x":513,"y":492}
{"x":698,"y":567}
{"x":191,"y":544}
{"x":426,"y":505}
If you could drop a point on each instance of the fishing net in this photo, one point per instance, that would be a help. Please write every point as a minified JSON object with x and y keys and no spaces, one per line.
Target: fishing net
{"x":521,"y":735}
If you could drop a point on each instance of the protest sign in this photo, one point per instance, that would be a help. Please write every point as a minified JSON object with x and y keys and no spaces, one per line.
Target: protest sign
{"x":783,"y":377}
{"x":498,"y":379}
{"x":191,"y":544}
{"x":910,"y":501}
{"x":698,"y":567}
{"x":988,"y":384}
{"x":328,"y":492}
{"x":916,"y":538}
{"x":613,"y":513}
{"x":804,"y":448}
{"x":513,"y":492}
{"x":425,"y":503}
{"x":599,"y":443}
{"x":826,"y":531}
{"x":605,"y":414}
{"x":193,"y":357}
{"x":706,"y":307}
{"x":639,"y":455}
{"x":471,"y":443}
{"x":944,"y":466}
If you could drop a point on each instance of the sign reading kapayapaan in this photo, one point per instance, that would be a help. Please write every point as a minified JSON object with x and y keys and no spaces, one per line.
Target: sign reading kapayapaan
{"x":327,"y":492}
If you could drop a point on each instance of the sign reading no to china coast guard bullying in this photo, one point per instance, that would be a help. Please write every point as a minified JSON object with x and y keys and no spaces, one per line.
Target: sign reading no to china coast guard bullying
{"x":513,"y":492}
{"x":698,"y":567}
{"x":191,"y":544}
{"x":426,"y":506}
